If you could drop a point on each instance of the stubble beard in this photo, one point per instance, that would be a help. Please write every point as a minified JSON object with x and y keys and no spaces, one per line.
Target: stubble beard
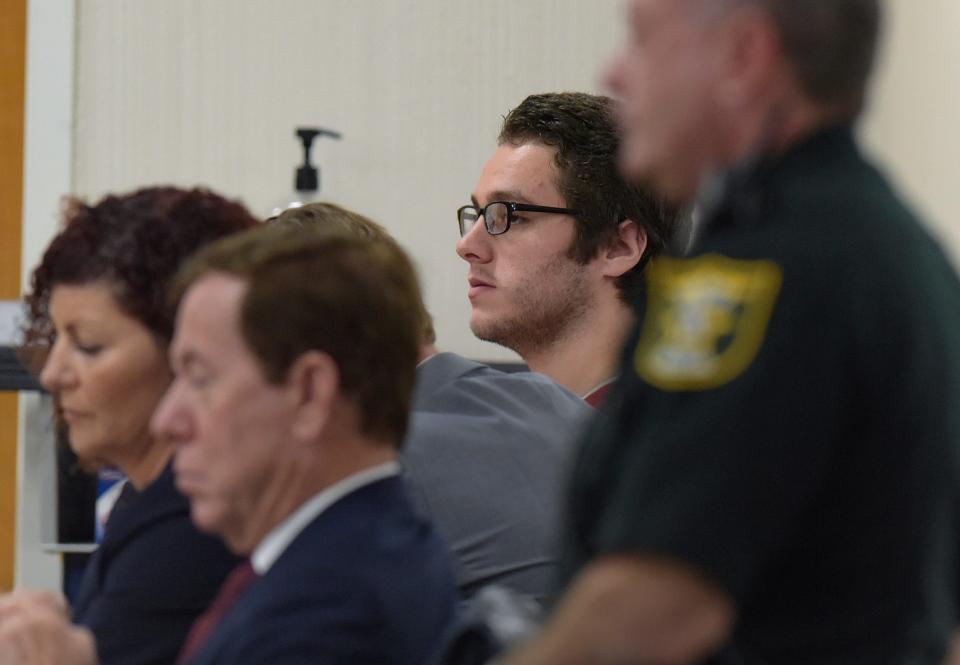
{"x":545,"y":311}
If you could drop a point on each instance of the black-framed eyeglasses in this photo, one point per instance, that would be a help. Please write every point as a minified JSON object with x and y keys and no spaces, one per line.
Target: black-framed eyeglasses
{"x":499,"y":215}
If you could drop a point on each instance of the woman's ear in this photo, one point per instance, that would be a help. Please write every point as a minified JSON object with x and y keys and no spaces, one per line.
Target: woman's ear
{"x":751,"y":63}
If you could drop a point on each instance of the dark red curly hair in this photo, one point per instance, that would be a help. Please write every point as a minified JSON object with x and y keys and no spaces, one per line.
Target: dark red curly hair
{"x":135,"y":243}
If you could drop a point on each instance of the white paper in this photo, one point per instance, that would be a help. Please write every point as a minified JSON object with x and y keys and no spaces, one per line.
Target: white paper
{"x":11,"y":317}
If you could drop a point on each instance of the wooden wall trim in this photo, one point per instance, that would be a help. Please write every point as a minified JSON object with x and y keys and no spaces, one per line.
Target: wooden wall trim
{"x":13,"y":30}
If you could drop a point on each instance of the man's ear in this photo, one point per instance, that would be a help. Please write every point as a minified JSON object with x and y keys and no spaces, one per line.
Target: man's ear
{"x":625,"y":252}
{"x":750,"y":62}
{"x":313,"y":382}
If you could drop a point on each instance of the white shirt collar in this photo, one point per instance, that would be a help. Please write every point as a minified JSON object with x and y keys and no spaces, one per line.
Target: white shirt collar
{"x":275,"y":542}
{"x":602,"y":384}
{"x":427,"y":359}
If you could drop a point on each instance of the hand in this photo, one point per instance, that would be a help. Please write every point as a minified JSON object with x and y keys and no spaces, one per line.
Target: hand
{"x":623,"y":610}
{"x":35,"y":629}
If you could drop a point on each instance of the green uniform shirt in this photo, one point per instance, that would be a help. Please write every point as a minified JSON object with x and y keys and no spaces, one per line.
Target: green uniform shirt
{"x":788,"y":417}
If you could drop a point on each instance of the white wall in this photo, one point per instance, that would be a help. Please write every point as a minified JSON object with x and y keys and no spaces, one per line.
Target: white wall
{"x":48,"y":143}
{"x":914,"y":121}
{"x":209,"y":92}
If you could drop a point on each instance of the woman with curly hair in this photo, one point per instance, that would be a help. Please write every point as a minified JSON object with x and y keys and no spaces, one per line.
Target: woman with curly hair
{"x":99,"y":299}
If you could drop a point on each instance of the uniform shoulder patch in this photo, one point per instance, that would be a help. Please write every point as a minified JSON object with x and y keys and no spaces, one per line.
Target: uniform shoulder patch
{"x":705,"y":319}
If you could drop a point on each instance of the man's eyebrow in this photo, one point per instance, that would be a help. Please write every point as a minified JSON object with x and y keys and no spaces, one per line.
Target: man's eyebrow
{"x":514,"y":196}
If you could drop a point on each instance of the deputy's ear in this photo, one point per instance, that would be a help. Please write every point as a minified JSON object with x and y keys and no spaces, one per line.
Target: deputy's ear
{"x":625,"y":252}
{"x":313,"y":381}
{"x":750,"y":59}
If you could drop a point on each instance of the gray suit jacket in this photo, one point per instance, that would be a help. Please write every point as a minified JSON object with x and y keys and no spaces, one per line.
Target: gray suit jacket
{"x":486,"y":460}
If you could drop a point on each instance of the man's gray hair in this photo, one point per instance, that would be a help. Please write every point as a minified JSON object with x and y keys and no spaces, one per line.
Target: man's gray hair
{"x":830,"y":43}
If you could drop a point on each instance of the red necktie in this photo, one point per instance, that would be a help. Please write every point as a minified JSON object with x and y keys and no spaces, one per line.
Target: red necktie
{"x":598,"y":397}
{"x":230,"y":591}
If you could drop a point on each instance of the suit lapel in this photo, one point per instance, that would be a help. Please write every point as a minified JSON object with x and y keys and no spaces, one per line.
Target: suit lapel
{"x":328,"y":538}
{"x":156,"y":502}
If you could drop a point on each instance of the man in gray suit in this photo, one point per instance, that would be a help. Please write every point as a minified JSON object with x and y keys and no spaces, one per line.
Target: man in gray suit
{"x":486,"y":453}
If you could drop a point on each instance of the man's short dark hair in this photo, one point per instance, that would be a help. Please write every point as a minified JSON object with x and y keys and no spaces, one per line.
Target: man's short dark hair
{"x":831,"y":45}
{"x":583,"y":129}
{"x":323,"y":214}
{"x":355,"y":299}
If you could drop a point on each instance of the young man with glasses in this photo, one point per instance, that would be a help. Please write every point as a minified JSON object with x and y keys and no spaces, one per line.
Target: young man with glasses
{"x":557,"y":260}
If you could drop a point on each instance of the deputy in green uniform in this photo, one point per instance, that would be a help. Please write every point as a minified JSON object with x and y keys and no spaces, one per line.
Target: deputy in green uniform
{"x":777,"y":482}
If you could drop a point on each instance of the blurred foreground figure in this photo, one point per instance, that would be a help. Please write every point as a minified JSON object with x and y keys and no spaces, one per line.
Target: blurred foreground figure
{"x":777,"y":484}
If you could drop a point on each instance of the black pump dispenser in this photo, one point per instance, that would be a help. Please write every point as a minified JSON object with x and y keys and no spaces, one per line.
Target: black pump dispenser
{"x":308,"y":175}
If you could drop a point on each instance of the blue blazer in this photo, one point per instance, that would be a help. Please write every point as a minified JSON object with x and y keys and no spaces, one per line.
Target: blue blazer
{"x":367,"y":582}
{"x":151,"y":577}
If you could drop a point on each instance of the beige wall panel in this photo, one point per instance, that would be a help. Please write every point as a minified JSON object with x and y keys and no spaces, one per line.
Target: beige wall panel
{"x":914,"y":121}
{"x":47,"y":162}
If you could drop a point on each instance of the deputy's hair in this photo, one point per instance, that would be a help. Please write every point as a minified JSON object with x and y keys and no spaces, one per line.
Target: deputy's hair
{"x":329,"y":215}
{"x":831,"y":45}
{"x":355,"y":299}
{"x":583,"y":130}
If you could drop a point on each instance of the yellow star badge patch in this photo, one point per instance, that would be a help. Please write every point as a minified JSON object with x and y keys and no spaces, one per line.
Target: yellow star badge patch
{"x":705,"y":320}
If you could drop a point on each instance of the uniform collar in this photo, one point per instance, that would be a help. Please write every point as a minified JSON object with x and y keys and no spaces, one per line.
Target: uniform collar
{"x":742,"y":194}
